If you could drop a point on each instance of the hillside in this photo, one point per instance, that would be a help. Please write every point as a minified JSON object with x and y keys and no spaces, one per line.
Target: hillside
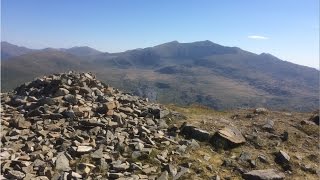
{"x":9,"y":50}
{"x":186,"y":73}
{"x":73,"y":126}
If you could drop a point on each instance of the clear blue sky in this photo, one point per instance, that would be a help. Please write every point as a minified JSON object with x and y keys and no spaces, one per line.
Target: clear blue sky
{"x":288,"y":29}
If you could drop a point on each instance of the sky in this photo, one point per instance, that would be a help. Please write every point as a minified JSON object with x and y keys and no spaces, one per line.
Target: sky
{"x":288,"y":29}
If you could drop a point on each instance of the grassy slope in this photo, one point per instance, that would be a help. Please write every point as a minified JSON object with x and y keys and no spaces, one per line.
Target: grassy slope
{"x":302,"y":142}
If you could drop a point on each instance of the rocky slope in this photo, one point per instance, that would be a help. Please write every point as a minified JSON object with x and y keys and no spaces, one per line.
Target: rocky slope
{"x":201,"y":72}
{"x":72,"y":126}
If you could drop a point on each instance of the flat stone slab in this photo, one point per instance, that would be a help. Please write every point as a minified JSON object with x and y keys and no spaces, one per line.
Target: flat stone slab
{"x":232,"y":134}
{"x":266,"y":174}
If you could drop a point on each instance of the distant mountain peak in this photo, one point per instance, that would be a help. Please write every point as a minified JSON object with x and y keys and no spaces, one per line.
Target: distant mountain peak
{"x":10,"y":50}
{"x":171,"y":43}
{"x":204,"y":43}
{"x":268,"y":55}
{"x":82,"y":51}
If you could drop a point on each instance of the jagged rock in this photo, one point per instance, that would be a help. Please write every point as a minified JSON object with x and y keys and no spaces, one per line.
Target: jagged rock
{"x":308,"y":168}
{"x":192,"y":132}
{"x":115,"y":175}
{"x":267,"y":174}
{"x":76,"y":175}
{"x":263,"y":159}
{"x":121,"y":167}
{"x":164,"y":176}
{"x":61,"y":92}
{"x":261,"y":111}
{"x":98,"y":154}
{"x":285,"y":136}
{"x":13,"y":174}
{"x":182,"y":148}
{"x":162,"y":124}
{"x":84,"y":149}
{"x":126,"y":109}
{"x":71,"y":99}
{"x":62,"y":163}
{"x":269,"y":125}
{"x":245,"y":156}
{"x":283,"y":159}
{"x":136,"y":154}
{"x":171,"y":169}
{"x":149,"y":170}
{"x":194,"y":144}
{"x":182,"y":171}
{"x":315,"y":118}
{"x":21,"y":123}
{"x":227,"y":137}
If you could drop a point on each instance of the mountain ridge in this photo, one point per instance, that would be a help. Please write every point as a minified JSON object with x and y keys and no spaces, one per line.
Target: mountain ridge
{"x":201,"y":72}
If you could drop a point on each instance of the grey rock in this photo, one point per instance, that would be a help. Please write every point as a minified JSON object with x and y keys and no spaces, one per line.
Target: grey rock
{"x":182,"y":148}
{"x":21,"y":123}
{"x":85,"y":90}
{"x":121,"y":167}
{"x":263,"y":159}
{"x":98,"y":154}
{"x":126,"y":109}
{"x":245,"y":156}
{"x":84,"y":149}
{"x":194,"y":144}
{"x":315,"y":118}
{"x":261,"y":111}
{"x":268,"y":125}
{"x":13,"y":174}
{"x":61,"y":92}
{"x":192,"y":132}
{"x":163,"y":176}
{"x":182,"y":171}
{"x":283,"y":157}
{"x":62,"y":163}
{"x":71,"y":99}
{"x":115,"y":175}
{"x":266,"y":174}
{"x":162,"y":124}
{"x":171,"y":169}
{"x":136,"y":154}
{"x":227,"y":137}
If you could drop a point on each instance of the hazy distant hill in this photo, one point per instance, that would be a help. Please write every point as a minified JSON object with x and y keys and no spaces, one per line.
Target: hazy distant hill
{"x":183,"y":73}
{"x":9,"y":50}
{"x":82,"y":51}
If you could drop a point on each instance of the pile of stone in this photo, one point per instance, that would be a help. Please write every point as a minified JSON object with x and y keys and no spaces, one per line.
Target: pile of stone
{"x":72,"y":126}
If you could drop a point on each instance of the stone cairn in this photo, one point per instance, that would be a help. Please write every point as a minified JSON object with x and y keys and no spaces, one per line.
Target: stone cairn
{"x":72,"y":126}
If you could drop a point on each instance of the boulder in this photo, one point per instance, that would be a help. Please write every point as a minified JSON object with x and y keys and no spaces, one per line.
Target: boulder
{"x":195,"y":133}
{"x":227,"y":137}
{"x":283,"y":159}
{"x":261,"y":111}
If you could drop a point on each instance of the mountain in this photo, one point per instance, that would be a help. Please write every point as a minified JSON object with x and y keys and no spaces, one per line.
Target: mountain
{"x":201,"y":72}
{"x":28,"y":66}
{"x":82,"y":51}
{"x":9,"y":50}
